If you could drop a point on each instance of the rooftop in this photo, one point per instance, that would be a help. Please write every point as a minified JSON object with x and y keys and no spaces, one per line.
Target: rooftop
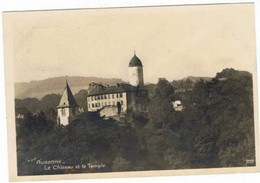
{"x":67,"y":98}
{"x":96,"y":89}
{"x":135,"y":61}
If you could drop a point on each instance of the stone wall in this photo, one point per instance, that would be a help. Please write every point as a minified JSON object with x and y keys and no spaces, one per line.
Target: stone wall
{"x":108,"y":111}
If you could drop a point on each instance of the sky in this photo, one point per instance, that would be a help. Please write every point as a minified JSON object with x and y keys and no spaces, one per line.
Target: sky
{"x":172,"y":42}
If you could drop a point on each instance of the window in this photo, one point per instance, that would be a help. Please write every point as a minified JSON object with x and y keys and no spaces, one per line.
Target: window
{"x":108,"y":96}
{"x":112,"y":95}
{"x":63,"y":112}
{"x":105,"y":96}
{"x":105,"y":103}
{"x":122,"y":102}
{"x":101,"y":96}
{"x":113,"y":102}
{"x":109,"y":103}
{"x":96,"y":105}
{"x":121,"y":95}
{"x":117,"y":95}
{"x":92,"y":98}
{"x":93,"y":106}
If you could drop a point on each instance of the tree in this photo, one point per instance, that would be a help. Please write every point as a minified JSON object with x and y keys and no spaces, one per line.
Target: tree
{"x":218,"y":109}
{"x":31,"y":104}
{"x":156,"y":134}
{"x":160,"y":106}
{"x":50,"y":101}
{"x":164,"y":89}
{"x":81,"y":98}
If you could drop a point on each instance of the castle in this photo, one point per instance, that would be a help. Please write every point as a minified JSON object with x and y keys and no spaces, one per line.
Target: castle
{"x":122,"y":98}
{"x":109,"y":101}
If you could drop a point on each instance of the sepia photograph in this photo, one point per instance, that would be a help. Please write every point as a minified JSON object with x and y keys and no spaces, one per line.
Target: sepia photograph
{"x":131,"y":90}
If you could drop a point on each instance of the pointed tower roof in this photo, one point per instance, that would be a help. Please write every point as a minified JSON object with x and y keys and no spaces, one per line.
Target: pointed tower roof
{"x":135,"y":61}
{"x":67,"y":98}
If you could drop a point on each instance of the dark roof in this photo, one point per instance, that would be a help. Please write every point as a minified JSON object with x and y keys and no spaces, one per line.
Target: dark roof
{"x":67,"y":98}
{"x":135,"y":61}
{"x":97,"y":89}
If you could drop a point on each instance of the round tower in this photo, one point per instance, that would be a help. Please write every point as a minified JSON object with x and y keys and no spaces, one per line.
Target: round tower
{"x":135,"y":72}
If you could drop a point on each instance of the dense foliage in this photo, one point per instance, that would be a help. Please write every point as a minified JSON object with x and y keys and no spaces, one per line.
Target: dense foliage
{"x":215,"y":129}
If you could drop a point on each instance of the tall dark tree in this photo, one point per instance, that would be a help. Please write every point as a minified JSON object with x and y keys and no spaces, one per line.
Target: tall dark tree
{"x":81,"y":98}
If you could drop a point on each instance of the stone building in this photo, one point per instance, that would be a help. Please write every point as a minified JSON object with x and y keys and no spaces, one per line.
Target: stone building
{"x":122,"y":98}
{"x":67,"y":108}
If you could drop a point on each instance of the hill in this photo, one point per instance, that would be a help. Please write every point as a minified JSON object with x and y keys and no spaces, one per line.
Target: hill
{"x":38,"y":89}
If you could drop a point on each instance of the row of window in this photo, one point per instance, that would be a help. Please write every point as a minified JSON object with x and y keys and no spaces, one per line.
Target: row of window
{"x":107,"y":96}
{"x":102,"y":104}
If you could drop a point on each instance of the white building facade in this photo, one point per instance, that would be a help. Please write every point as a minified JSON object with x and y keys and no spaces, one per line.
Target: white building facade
{"x":99,"y":101}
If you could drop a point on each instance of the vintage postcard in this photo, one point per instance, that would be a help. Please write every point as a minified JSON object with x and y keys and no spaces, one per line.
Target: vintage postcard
{"x":127,"y":92}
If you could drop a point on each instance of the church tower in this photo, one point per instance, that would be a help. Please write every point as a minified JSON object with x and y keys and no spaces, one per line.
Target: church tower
{"x":135,"y":72}
{"x":67,"y":108}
